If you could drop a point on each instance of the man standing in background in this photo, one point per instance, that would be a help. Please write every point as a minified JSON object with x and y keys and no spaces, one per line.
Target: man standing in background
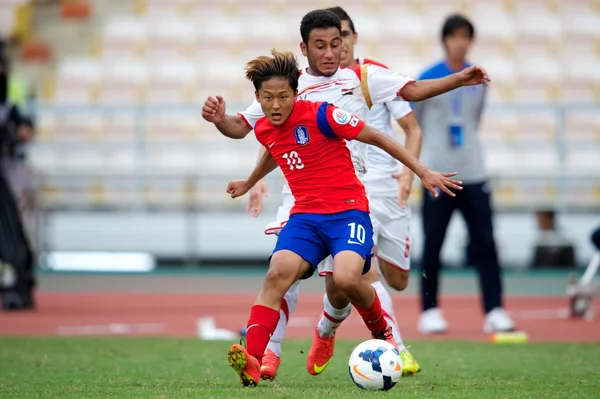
{"x":17,"y":279}
{"x":449,"y":123}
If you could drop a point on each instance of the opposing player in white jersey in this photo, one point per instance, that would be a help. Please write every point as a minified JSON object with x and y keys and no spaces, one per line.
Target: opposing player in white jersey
{"x":391,"y":221}
{"x":351,"y":89}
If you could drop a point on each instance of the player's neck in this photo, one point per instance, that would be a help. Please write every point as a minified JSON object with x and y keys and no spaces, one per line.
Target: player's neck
{"x":352,"y":63}
{"x":456,"y":64}
{"x":313,"y":72}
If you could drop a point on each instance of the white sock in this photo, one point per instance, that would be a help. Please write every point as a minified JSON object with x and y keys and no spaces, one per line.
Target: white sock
{"x":291,"y":299}
{"x":331,"y":318}
{"x":388,"y":309}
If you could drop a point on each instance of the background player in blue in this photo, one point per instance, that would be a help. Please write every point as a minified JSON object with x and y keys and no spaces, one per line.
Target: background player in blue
{"x":449,"y":123}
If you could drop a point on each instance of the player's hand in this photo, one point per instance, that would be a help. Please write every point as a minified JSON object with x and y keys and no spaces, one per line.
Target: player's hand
{"x":255,"y":202}
{"x":442,"y":181}
{"x":214,"y":109}
{"x":473,"y":75}
{"x":405,"y":180}
{"x":237,"y":188}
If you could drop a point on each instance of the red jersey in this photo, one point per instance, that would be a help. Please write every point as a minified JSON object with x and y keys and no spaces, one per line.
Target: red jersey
{"x":311,"y":151}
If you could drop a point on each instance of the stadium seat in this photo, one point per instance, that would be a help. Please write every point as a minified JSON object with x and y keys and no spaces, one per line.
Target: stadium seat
{"x":78,"y":80}
{"x":537,"y":20}
{"x":179,"y":127}
{"x":499,"y":126}
{"x":539,"y":79}
{"x":126,"y":82}
{"x":175,"y":81}
{"x":493,"y":21}
{"x":178,"y":37}
{"x":580,"y":20}
{"x":79,"y":126}
{"x":499,"y":158}
{"x":502,"y":71}
{"x":537,"y":128}
{"x":583,"y":157}
{"x":582,"y":77}
{"x":47,"y":125}
{"x":75,"y":9}
{"x":538,"y":159}
{"x":582,"y":126}
{"x":124,"y":36}
{"x":120,"y":126}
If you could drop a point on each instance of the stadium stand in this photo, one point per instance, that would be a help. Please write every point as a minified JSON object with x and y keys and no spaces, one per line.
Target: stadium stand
{"x":174,"y":53}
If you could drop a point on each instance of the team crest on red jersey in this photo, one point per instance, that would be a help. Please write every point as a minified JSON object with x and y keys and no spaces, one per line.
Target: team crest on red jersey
{"x":301,"y":133}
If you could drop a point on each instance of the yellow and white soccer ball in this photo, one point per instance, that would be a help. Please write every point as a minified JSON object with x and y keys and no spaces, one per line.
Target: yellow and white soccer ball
{"x":375,"y":365}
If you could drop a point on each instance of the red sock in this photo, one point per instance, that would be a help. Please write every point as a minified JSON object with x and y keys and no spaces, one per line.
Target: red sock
{"x":261,"y":324}
{"x":373,"y":316}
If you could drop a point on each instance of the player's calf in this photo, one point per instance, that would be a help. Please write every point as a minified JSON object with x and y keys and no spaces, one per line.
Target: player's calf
{"x":347,"y":276}
{"x":285,"y":268}
{"x":396,"y":277}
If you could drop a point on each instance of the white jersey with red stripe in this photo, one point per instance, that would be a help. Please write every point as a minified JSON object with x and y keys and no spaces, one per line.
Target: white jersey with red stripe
{"x":381,"y":165}
{"x":351,"y":89}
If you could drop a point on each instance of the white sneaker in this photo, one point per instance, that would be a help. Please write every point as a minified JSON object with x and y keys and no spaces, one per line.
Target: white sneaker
{"x":497,"y":320}
{"x":432,"y":322}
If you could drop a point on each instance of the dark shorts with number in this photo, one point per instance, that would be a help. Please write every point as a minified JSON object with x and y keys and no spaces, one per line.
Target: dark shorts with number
{"x":316,"y":236}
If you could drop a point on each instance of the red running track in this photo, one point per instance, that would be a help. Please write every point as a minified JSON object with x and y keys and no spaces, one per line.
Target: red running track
{"x":544,"y":318}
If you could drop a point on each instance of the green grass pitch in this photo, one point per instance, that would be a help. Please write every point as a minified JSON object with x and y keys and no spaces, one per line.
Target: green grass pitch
{"x":187,"y":368}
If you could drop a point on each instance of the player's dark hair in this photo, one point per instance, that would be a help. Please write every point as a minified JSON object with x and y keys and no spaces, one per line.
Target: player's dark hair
{"x":318,"y":19}
{"x":280,"y":65}
{"x":343,"y":16}
{"x":457,"y":22}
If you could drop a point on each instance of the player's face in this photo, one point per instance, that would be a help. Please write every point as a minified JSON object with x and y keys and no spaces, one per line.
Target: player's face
{"x":323,"y":51}
{"x":276,"y":99}
{"x":349,"y":40}
{"x":457,"y":44}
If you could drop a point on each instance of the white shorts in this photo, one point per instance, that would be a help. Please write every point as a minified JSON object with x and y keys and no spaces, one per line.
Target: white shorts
{"x":391,"y":231}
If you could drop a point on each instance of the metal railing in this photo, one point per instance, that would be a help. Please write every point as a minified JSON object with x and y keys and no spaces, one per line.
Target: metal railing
{"x":200,"y":183}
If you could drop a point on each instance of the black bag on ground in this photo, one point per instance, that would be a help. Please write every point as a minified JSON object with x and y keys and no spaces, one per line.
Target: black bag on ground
{"x":17,"y":277}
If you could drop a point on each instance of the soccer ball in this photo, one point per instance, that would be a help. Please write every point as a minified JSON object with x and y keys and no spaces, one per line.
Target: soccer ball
{"x":375,"y":365}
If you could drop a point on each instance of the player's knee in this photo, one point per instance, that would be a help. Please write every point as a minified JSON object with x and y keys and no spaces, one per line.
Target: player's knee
{"x":398,"y":281}
{"x":347,"y":283}
{"x":280,"y":276}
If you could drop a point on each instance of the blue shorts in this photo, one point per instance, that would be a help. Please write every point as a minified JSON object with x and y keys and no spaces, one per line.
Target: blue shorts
{"x":315,"y":236}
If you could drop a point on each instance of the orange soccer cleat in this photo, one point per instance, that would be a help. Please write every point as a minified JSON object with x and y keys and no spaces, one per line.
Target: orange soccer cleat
{"x":245,"y":365}
{"x":320,"y":354}
{"x":270,"y":364}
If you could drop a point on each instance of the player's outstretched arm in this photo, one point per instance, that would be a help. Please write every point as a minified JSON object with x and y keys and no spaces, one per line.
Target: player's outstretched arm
{"x":430,"y":179}
{"x":260,"y":190}
{"x":423,"y":89}
{"x":232,"y":126}
{"x":266,"y":165}
{"x":413,"y":142}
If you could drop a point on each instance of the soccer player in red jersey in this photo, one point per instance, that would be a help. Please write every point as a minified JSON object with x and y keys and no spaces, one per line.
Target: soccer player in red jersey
{"x":331,"y":211}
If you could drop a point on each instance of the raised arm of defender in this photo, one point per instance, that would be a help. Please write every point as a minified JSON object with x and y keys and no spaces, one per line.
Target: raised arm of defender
{"x":385,"y":85}
{"x":424,"y":89}
{"x":232,"y":126}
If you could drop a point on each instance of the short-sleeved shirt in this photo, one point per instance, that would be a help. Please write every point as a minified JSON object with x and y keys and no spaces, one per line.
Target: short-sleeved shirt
{"x":381,"y":165}
{"x":346,"y":89}
{"x":463,"y":107}
{"x":310,"y":148}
